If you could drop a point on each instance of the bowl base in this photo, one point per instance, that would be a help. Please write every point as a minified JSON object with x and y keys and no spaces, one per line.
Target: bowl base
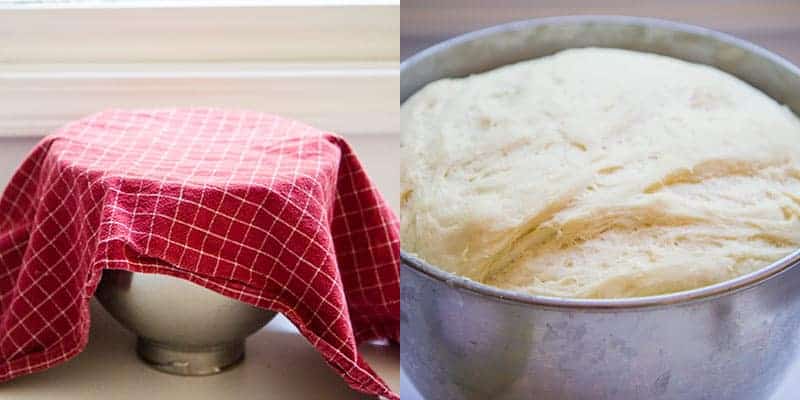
{"x":189,"y":361}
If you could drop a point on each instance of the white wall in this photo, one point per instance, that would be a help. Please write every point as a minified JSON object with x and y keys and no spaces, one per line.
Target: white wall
{"x":12,"y":151}
{"x":380,"y":155}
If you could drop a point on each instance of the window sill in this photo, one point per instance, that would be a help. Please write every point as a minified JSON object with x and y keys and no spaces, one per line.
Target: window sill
{"x":346,"y":98}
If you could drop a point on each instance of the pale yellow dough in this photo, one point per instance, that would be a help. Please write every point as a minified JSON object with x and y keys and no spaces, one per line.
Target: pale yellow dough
{"x":599,"y":173}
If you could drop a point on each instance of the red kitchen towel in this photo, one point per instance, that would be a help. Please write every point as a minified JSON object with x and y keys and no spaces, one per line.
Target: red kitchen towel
{"x":259,"y":208}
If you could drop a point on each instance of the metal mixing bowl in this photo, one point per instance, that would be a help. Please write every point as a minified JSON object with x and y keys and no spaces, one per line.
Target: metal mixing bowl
{"x":733,"y":340}
{"x":182,"y":328}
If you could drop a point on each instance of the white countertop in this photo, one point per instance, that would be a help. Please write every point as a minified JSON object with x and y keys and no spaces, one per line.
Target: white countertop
{"x":279,"y":364}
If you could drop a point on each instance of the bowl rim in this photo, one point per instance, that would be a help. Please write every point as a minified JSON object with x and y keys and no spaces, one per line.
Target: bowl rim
{"x":722,"y":288}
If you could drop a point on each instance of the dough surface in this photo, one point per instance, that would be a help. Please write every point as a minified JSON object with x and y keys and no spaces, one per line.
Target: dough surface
{"x":599,"y":173}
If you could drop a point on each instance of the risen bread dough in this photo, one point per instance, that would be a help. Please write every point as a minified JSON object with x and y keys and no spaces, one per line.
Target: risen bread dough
{"x":599,"y":173}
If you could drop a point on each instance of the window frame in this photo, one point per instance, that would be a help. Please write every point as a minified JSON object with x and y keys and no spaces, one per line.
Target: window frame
{"x":333,"y":63}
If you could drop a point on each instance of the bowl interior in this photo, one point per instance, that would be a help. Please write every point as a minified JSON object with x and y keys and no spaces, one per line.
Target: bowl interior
{"x":504,"y":44}
{"x":493,"y":47}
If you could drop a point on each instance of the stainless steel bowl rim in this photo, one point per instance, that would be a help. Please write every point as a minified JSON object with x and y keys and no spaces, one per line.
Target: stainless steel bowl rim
{"x":703,"y":293}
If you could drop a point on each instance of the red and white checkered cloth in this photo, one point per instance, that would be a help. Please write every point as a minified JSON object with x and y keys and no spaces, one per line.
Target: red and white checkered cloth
{"x":259,"y":208}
